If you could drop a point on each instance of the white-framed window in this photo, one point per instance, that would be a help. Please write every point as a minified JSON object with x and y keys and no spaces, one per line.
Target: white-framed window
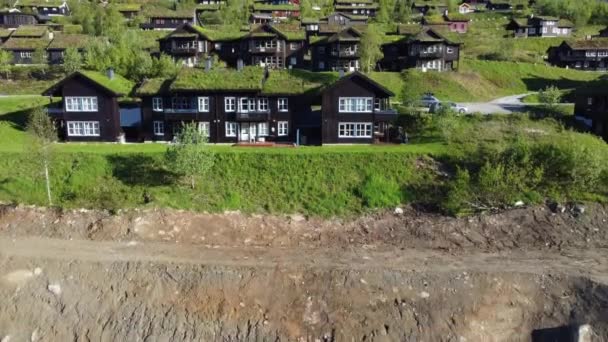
{"x":283,"y":128}
{"x":203,"y":104}
{"x":81,"y":103}
{"x":229,"y":104}
{"x":159,"y":128}
{"x":83,"y":128}
{"x":355,"y":129}
{"x":244,"y":105}
{"x":203,"y":127}
{"x":322,"y":65}
{"x":565,"y":31}
{"x":263,"y":104}
{"x":231,"y":128}
{"x":589,"y":101}
{"x":590,"y":54}
{"x":157,"y":104}
{"x":532,"y":30}
{"x":293,"y":60}
{"x":449,"y":50}
{"x":293,"y":46}
{"x":355,"y":104}
{"x":602,"y":53}
{"x":377,"y":104}
{"x":181,"y":103}
{"x":25,"y":54}
{"x":263,"y":129}
{"x":283,"y":104}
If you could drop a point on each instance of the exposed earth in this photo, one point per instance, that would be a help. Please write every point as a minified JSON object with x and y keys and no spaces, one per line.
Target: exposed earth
{"x":167,"y":275}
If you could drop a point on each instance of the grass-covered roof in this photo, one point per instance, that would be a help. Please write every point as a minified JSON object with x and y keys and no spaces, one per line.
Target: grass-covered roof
{"x":64,"y":41}
{"x":250,"y":79}
{"x":126,"y":7}
{"x":30,"y":31}
{"x":154,"y":86}
{"x":40,"y":3}
{"x":595,"y":43}
{"x":162,"y":12}
{"x":221,"y":32}
{"x":207,"y":7}
{"x":5,"y":33}
{"x":290,"y":32}
{"x":25,"y":43}
{"x":279,"y":7}
{"x":118,"y":84}
{"x":359,"y":7}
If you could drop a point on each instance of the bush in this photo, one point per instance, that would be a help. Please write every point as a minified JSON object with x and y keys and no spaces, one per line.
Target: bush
{"x":379,"y":192}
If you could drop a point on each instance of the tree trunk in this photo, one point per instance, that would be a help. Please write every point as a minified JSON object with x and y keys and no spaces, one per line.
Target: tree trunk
{"x":48,"y":181}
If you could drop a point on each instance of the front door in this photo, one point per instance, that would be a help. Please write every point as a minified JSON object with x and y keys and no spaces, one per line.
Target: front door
{"x":248,"y":131}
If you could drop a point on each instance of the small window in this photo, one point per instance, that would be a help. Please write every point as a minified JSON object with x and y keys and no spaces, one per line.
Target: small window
{"x":159,"y":128}
{"x":321,"y":65}
{"x":157,"y":104}
{"x":263,"y":104}
{"x":283,"y":104}
{"x":293,"y":46}
{"x":449,"y":50}
{"x":590,"y":101}
{"x":203,"y":127}
{"x":231,"y":129}
{"x":229,"y":104}
{"x":283,"y":128}
{"x":262,"y":129}
{"x":203,"y":104}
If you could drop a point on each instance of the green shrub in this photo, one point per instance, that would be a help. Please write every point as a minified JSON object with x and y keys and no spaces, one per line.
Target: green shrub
{"x":379,"y":192}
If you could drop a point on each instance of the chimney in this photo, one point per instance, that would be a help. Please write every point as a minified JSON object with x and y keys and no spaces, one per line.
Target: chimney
{"x":239,"y":64}
{"x":51,"y":35}
{"x":208,"y":63}
{"x":341,"y":72}
{"x":110,"y":73}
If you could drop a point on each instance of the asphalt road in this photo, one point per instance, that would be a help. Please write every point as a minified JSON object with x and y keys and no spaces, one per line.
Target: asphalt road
{"x":504,"y":105}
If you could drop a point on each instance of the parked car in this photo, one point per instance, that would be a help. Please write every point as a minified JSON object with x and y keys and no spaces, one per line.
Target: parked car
{"x":455,"y":107}
{"x":428,"y":99}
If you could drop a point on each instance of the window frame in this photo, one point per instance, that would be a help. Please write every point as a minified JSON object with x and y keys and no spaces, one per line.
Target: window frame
{"x":83,"y":128}
{"x":232,"y":127}
{"x":158,"y":128}
{"x":204,"y":127}
{"x":203,"y":104}
{"x":282,"y":128}
{"x":355,"y":104}
{"x":283,"y":104}
{"x":157,"y":104}
{"x":77,"y":104}
{"x":355,"y":128}
{"x":230,"y":104}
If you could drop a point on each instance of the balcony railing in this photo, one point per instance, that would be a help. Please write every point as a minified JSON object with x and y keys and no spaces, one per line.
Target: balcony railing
{"x":258,"y":49}
{"x":252,"y":116}
{"x":345,"y":53}
{"x":180,"y":110}
{"x":184,"y":49}
{"x":430,"y":54}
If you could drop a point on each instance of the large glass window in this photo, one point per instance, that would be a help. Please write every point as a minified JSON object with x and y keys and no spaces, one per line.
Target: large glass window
{"x":355,"y":130}
{"x":81,"y":104}
{"x":83,"y":128}
{"x":263,"y":129}
{"x":355,"y":104}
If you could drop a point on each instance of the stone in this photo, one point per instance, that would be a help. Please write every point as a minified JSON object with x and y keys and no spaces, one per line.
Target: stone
{"x":424,"y":294}
{"x":519,"y":204}
{"x":6,"y":338}
{"x":584,"y":333}
{"x":398,"y":211}
{"x":579,"y":209}
{"x":54,"y":289}
{"x":37,"y":271}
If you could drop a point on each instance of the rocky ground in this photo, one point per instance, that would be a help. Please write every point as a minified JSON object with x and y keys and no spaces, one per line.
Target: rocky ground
{"x":165,"y":275}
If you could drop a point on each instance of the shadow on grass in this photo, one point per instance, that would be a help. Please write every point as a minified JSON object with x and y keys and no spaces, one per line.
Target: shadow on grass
{"x":17,"y":120}
{"x":140,"y":169}
{"x":539,"y":83}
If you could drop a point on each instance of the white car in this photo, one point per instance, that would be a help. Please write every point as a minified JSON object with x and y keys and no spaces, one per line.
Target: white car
{"x":455,"y":107}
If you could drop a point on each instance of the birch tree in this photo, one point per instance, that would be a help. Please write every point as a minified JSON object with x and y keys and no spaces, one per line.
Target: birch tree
{"x":370,"y":48}
{"x":44,"y":133}
{"x":190,"y":155}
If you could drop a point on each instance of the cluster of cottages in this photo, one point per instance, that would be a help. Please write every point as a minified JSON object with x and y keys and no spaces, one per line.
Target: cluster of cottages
{"x":245,"y":105}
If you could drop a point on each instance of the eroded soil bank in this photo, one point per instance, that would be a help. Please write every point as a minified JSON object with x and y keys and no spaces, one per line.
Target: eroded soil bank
{"x":163,"y":275}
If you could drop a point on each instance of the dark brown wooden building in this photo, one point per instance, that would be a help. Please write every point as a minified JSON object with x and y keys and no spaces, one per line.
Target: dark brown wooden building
{"x":425,"y":49}
{"x":540,"y":26}
{"x":231,"y":106}
{"x":90,"y":107}
{"x":163,"y":19}
{"x":275,"y":46}
{"x":361,"y":8}
{"x":588,"y":54}
{"x":591,"y":105}
{"x":356,"y":109}
{"x":339,"y":51}
{"x":14,"y":19}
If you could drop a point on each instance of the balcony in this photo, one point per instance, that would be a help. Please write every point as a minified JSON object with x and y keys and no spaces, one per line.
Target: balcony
{"x":430,"y":54}
{"x":258,"y":49}
{"x":252,"y":116}
{"x":345,"y":53}
{"x":184,"y":49}
{"x":180,"y":110}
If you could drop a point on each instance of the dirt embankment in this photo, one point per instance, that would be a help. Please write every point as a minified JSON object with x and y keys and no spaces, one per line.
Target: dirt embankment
{"x":164,"y":275}
{"x":526,"y":228}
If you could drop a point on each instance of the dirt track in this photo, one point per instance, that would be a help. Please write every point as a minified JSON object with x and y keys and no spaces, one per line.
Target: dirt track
{"x":168,"y":275}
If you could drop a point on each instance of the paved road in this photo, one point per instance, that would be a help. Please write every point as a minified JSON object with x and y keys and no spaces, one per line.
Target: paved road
{"x":504,"y":105}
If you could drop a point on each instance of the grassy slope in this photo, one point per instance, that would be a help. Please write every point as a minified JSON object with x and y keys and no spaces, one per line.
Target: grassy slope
{"x":487,"y":80}
{"x":24,"y":87}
